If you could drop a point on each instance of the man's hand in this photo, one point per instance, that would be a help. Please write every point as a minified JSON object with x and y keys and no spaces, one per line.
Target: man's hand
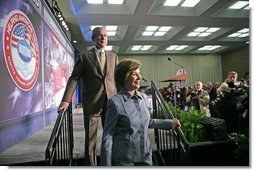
{"x":63,"y":106}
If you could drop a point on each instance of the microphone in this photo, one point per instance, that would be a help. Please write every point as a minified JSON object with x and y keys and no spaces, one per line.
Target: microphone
{"x":169,"y":59}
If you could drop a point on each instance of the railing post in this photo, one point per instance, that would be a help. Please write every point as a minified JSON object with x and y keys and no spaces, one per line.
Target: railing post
{"x":172,"y":145}
{"x":59,"y":150}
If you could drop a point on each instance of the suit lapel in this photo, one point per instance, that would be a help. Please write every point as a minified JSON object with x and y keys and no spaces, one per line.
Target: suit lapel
{"x":92,"y":56}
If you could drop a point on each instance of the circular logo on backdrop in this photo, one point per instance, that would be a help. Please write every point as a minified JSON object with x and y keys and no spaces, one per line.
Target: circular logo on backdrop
{"x":21,"y":50}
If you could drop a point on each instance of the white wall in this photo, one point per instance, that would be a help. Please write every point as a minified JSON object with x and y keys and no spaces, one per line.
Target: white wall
{"x":202,"y":68}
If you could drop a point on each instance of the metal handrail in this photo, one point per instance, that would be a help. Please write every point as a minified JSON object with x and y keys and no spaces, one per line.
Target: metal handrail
{"x":59,"y":151}
{"x":172,"y":143}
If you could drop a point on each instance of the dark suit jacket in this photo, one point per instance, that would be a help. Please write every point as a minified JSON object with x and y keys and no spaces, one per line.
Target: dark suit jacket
{"x":97,"y":86}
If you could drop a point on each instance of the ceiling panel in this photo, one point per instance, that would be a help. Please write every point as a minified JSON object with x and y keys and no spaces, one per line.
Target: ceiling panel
{"x":134,"y":16}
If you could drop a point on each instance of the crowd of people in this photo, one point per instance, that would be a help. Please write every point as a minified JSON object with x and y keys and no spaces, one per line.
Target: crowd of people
{"x":228,"y":100}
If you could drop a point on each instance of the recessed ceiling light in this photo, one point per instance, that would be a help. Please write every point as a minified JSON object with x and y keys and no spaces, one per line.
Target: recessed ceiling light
{"x":177,"y":47}
{"x":247,"y":7}
{"x":164,"y":28}
{"x":193,"y":34}
{"x":244,"y":30}
{"x":115,"y":1}
{"x":181,"y":47}
{"x":209,"y":47}
{"x":172,"y":47}
{"x":171,"y":3}
{"x":111,"y":28}
{"x":244,"y":35}
{"x":204,"y":34}
{"x":147,"y":33}
{"x":239,"y":5}
{"x":234,"y":35}
{"x":201,"y":29}
{"x":159,"y":33}
{"x":146,"y":47}
{"x":213,"y":29}
{"x":95,"y":1}
{"x":94,"y":26}
{"x":190,"y":3}
{"x":111,"y":33}
{"x":151,"y":28}
{"x":136,"y":47}
{"x":109,"y":47}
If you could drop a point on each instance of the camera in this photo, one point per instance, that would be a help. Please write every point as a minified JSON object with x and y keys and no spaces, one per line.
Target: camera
{"x":216,"y":101}
{"x":193,"y":94}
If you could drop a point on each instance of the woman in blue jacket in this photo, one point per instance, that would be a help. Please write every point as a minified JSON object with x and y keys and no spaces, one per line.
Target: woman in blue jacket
{"x":125,"y":140}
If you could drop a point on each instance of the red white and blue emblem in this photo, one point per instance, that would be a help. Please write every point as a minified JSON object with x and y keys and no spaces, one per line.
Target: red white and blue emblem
{"x":21,"y":50}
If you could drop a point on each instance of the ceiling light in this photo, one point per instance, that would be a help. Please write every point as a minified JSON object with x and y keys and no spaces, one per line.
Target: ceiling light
{"x":171,"y":2}
{"x":109,"y":47}
{"x":177,"y":47}
{"x":111,"y":33}
{"x":239,"y":5}
{"x":111,"y":28}
{"x":209,"y":47}
{"x":151,"y":28}
{"x":244,"y":30}
{"x":247,"y":7}
{"x":136,"y":47}
{"x":115,"y":1}
{"x":172,"y":47}
{"x":181,"y":47}
{"x":201,"y":29}
{"x":234,"y":35}
{"x":193,"y":34}
{"x":204,"y":34}
{"x":94,"y":26}
{"x":95,"y":1}
{"x":165,"y":28}
{"x":146,"y":47}
{"x":213,"y":29}
{"x":244,"y":35}
{"x":190,"y":3}
{"x":160,"y":33}
{"x":74,"y":41}
{"x":147,"y":33}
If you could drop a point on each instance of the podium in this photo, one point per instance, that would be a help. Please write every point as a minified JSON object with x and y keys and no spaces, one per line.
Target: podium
{"x":180,"y":77}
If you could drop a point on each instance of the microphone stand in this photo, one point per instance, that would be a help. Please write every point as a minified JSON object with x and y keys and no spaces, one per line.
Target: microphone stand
{"x":175,"y":102}
{"x":175,"y":99}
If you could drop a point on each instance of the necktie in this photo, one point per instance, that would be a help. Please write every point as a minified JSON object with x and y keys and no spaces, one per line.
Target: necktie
{"x":102,"y":59}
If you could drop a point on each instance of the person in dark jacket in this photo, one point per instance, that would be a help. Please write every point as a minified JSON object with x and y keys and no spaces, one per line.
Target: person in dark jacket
{"x":96,"y":70}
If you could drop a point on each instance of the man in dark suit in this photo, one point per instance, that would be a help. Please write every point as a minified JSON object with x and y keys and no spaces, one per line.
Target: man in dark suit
{"x":96,"y":70}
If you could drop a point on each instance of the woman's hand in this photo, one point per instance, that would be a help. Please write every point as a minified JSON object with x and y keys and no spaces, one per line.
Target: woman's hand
{"x":174,"y":123}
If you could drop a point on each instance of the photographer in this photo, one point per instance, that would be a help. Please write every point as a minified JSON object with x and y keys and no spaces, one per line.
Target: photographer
{"x":199,"y":99}
{"x":227,"y":101}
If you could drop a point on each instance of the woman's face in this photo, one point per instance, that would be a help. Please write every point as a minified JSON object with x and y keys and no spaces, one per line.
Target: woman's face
{"x":133,"y":80}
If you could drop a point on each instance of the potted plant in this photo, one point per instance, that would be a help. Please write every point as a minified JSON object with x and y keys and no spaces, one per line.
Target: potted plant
{"x":190,"y":121}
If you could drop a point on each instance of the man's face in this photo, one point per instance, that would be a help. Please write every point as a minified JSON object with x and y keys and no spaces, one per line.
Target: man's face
{"x":232,"y":78}
{"x":101,"y":39}
{"x":198,"y":86}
